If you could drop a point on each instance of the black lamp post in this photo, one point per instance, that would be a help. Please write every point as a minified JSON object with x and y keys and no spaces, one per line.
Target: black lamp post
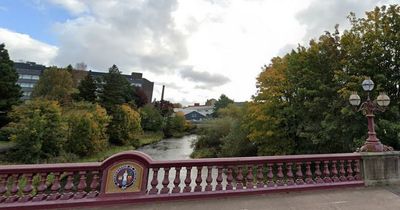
{"x":372,"y":144}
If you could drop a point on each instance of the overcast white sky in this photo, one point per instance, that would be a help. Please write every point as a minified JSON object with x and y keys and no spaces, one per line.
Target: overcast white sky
{"x":198,"y":48}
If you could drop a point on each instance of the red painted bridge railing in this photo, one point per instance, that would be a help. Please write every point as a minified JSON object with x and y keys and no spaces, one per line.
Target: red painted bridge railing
{"x":134,"y":177}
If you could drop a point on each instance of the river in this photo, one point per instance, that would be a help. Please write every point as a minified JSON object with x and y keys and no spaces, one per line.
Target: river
{"x":171,"y":148}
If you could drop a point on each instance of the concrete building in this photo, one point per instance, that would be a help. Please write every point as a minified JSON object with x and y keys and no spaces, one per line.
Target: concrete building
{"x":29,"y":74}
{"x":136,"y":79}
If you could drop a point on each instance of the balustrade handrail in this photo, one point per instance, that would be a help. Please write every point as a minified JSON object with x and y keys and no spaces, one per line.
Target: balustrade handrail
{"x":28,"y":168}
{"x":56,"y":167}
{"x":251,"y":160}
{"x":92,"y":183}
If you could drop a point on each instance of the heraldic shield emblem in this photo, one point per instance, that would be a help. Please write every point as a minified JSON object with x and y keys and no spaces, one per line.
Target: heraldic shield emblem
{"x":124,"y":176}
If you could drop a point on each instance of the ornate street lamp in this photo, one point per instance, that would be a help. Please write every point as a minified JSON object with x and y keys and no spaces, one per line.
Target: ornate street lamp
{"x":372,"y":144}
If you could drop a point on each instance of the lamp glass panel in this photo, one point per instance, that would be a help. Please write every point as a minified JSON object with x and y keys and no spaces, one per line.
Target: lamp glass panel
{"x":368,"y":85}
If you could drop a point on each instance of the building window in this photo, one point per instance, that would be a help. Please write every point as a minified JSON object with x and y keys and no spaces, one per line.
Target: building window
{"x":28,"y":76}
{"x":25,"y":85}
{"x":136,"y":84}
{"x":26,"y":93}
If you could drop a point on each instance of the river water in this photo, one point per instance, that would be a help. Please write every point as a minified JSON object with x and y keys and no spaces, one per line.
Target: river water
{"x":171,"y":148}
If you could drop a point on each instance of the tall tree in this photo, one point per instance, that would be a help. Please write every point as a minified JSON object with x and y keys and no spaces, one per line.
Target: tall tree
{"x":222,"y":102}
{"x":10,"y":92}
{"x":87,"y":89}
{"x":54,"y":84}
{"x":116,"y":89}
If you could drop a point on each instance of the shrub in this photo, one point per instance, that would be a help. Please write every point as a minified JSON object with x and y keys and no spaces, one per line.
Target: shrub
{"x":151,"y":119}
{"x":38,"y":130}
{"x":124,"y":127}
{"x":87,"y":126}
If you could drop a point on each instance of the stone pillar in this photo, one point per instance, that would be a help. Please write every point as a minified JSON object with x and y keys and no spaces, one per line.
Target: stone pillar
{"x":380,"y":168}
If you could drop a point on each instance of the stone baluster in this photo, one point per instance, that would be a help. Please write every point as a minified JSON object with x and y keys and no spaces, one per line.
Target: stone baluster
{"x":350,"y":176}
{"x":69,"y":186}
{"x":93,"y":185}
{"x":239,"y":178}
{"x":14,"y":189}
{"x":270,"y":176}
{"x":229,"y":178}
{"x":27,"y":190}
{"x":81,"y":193}
{"x":165,"y":181}
{"x":327,"y":174}
{"x":334,"y":171}
{"x":260,"y":176}
{"x":289,"y":174}
{"x":198,"y":180}
{"x":154,"y":182}
{"x":318,"y":173}
{"x":309,"y":179}
{"x":342,"y":172}
{"x":55,"y":187}
{"x":177,"y":180}
{"x":249,"y":177}
{"x":3,"y":187}
{"x":209,"y":179}
{"x":218,"y":187}
{"x":299,"y":174}
{"x":41,"y":188}
{"x":279,"y":180}
{"x":188,"y":180}
{"x":357,"y":175}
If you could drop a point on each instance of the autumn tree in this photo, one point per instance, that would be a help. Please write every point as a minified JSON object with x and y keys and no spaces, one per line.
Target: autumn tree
{"x":124,"y":128}
{"x":54,"y":84}
{"x":86,"y":128}
{"x":38,"y":130}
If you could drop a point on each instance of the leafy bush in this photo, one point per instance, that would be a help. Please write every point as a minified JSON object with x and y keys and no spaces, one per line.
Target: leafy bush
{"x":38,"y":130}
{"x":87,"y":126}
{"x":151,"y":118}
{"x":124,"y":127}
{"x":175,"y":125}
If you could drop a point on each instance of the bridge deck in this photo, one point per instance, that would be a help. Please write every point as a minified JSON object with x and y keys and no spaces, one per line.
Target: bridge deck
{"x":385,"y":198}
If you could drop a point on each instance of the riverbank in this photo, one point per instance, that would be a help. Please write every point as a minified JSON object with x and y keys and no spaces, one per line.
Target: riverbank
{"x":153,"y":144}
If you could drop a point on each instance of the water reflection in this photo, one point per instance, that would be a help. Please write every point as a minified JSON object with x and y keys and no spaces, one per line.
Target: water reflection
{"x":170,"y":149}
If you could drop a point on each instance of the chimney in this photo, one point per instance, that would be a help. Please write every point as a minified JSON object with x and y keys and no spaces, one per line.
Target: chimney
{"x":162,"y":93}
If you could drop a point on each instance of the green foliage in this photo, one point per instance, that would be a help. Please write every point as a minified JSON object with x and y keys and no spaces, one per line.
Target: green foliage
{"x":236,"y":143}
{"x":151,"y":118}
{"x":222,"y":102}
{"x":209,"y":142}
{"x":175,"y":125}
{"x":54,"y":84}
{"x":38,"y":130}
{"x":116,"y":89}
{"x":87,"y":126}
{"x":10,"y":92}
{"x":124,"y":127}
{"x":87,"y":89}
{"x":302,"y":105}
{"x":226,"y":136}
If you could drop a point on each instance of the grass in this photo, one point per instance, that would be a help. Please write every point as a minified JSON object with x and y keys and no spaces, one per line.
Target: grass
{"x":6,"y":145}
